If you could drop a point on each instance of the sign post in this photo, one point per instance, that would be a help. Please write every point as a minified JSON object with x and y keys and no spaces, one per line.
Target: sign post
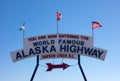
{"x":83,"y":74}
{"x":35,"y":70}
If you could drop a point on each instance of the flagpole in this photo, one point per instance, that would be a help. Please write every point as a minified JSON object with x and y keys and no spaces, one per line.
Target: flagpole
{"x":23,"y":33}
{"x":58,"y":14}
{"x":22,"y":28}
{"x":57,"y":26}
{"x":93,"y":34}
{"x":23,"y":36}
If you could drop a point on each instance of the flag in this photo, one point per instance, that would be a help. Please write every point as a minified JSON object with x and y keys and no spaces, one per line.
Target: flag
{"x":22,"y":27}
{"x":59,"y":15}
{"x":96,"y":24}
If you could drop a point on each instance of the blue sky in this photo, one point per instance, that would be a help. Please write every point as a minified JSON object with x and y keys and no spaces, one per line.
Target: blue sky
{"x":40,"y":18}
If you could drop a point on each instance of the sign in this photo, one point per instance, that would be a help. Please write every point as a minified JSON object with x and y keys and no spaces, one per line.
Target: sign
{"x":50,"y":66}
{"x":58,"y":39}
{"x":58,"y":46}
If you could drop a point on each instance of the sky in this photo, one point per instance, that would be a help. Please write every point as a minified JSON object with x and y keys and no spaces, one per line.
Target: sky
{"x":40,"y":19}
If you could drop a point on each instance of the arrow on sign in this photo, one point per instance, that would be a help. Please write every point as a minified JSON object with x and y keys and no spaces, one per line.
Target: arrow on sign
{"x":50,"y":66}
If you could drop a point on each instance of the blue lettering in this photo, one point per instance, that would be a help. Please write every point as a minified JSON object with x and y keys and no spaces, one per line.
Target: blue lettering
{"x":37,"y":49}
{"x":67,"y":48}
{"x":18,"y":56}
{"x":52,"y":41}
{"x":80,"y":50}
{"x":82,"y":42}
{"x":31,"y":52}
{"x":63,"y":48}
{"x":73,"y":48}
{"x":52,"y":49}
{"x":60,"y":40}
{"x":45,"y":42}
{"x":44,"y":49}
{"x":35,"y":43}
{"x":24,"y":54}
{"x":88,"y":51}
{"x":94,"y":53}
{"x":100,"y":53}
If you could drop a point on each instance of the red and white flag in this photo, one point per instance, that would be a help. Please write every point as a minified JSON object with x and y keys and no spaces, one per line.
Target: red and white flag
{"x":59,"y":15}
{"x":96,"y":24}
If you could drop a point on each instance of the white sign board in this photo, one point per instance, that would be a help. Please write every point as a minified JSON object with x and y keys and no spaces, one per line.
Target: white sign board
{"x":58,"y":46}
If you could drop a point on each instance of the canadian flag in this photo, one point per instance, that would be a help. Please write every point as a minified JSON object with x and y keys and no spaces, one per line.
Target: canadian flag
{"x":59,"y":15}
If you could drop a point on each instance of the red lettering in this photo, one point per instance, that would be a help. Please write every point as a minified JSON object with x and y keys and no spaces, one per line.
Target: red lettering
{"x":69,"y":36}
{"x":32,"y":39}
{"x":41,"y":37}
{"x":71,"y":56}
{"x":62,"y":55}
{"x":84,"y":37}
{"x":48,"y":56}
{"x":52,"y":36}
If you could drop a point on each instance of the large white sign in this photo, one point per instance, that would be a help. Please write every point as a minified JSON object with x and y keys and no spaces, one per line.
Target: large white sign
{"x":58,"y":46}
